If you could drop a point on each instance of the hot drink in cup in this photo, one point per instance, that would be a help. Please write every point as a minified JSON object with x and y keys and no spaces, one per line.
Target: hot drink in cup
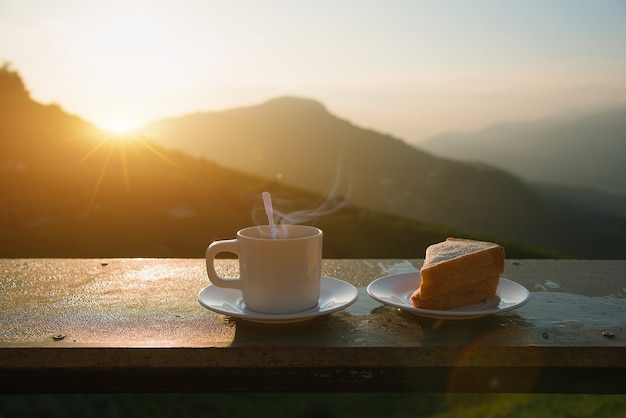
{"x":278,"y":275}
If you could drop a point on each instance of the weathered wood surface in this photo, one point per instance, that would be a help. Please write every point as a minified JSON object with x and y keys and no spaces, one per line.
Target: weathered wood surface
{"x":135,"y":325}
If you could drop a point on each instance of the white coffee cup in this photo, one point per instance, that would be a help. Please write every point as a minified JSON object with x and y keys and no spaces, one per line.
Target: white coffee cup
{"x":277,"y":275}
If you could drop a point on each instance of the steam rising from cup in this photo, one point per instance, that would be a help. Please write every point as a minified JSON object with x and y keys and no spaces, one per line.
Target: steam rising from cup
{"x":336,"y":198}
{"x":269,"y":211}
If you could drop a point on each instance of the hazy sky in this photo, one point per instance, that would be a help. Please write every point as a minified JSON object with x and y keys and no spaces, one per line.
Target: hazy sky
{"x":409,"y":68}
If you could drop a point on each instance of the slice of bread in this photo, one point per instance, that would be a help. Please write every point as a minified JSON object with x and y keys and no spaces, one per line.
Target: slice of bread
{"x":458,"y":272}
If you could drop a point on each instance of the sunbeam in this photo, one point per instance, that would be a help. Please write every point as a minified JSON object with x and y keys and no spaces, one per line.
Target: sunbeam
{"x":116,"y":145}
{"x":99,"y":181}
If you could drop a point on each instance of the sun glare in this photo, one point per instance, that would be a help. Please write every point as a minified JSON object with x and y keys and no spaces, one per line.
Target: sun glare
{"x":118,"y":127}
{"x":118,"y":142}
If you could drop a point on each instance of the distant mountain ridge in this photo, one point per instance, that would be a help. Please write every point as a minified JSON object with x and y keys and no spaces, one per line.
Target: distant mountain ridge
{"x":298,"y":142}
{"x":586,"y":150}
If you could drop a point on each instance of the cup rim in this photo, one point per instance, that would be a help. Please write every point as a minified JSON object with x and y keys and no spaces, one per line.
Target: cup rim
{"x":244,"y":232}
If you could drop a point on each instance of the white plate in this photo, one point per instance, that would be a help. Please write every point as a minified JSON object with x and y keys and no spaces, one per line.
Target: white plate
{"x":396,"y":290}
{"x":335,"y":295}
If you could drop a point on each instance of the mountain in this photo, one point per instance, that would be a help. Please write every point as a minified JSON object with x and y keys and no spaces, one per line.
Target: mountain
{"x":69,"y":190}
{"x":297,"y":142}
{"x":584,"y":150}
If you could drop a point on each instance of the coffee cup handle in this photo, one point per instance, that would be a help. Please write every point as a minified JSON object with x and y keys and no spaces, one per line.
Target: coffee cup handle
{"x":223,"y":246}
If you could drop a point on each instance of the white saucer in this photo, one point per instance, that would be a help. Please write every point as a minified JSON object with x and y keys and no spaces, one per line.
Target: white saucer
{"x":335,"y":295}
{"x":396,"y":290}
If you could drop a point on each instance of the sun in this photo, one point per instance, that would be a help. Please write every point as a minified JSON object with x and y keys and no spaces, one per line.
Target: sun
{"x":118,"y":127}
